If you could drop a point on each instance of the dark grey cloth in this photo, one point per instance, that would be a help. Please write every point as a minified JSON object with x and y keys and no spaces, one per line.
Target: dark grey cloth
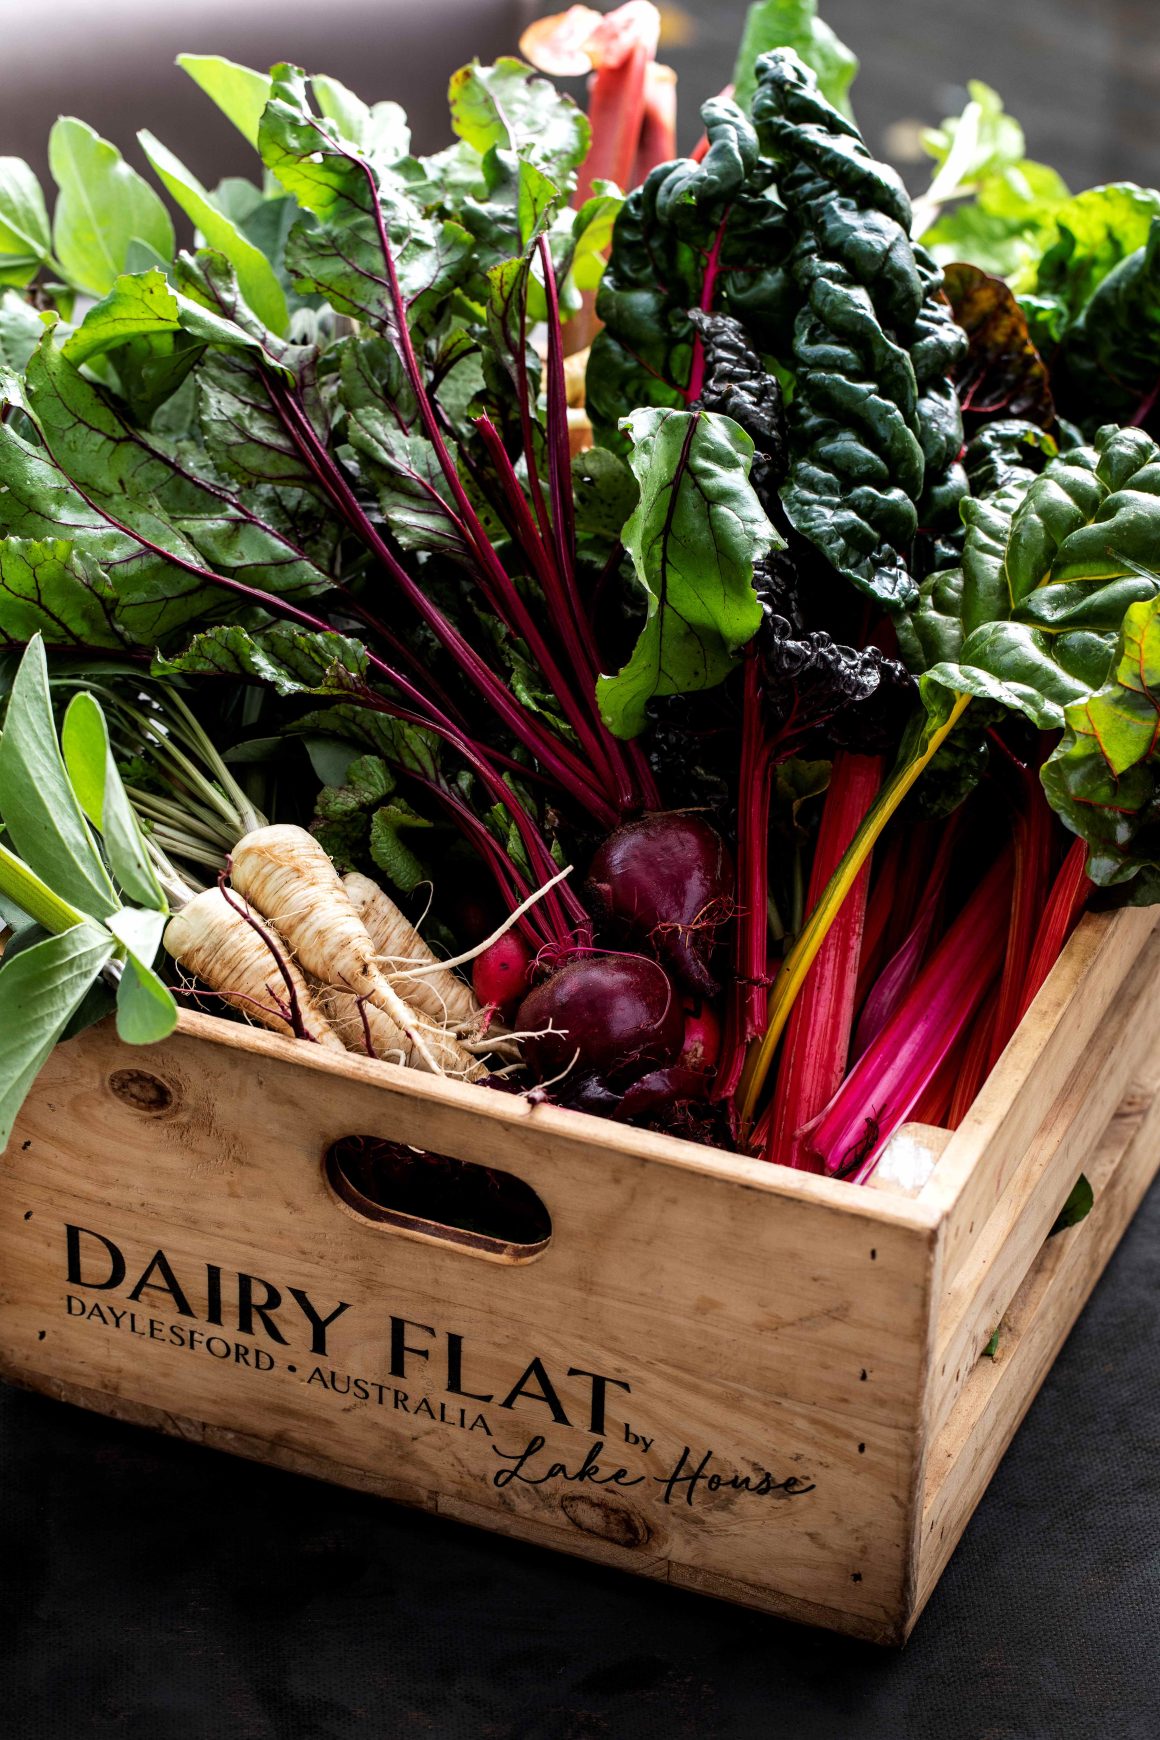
{"x":150,"y":1590}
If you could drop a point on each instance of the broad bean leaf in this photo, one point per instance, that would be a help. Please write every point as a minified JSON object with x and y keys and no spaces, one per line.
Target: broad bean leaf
{"x":693,"y":539}
{"x":239,"y":92}
{"x":92,"y":771}
{"x":25,"y":239}
{"x":21,"y":330}
{"x":1050,"y":566}
{"x":40,"y":989}
{"x":102,"y":207}
{"x":43,"y":820}
{"x":794,"y":24}
{"x":257,"y":278}
{"x":1104,"y":776}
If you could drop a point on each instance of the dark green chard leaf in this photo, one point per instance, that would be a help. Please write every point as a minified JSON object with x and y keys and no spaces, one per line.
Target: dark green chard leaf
{"x":874,"y":423}
{"x":1104,"y":777}
{"x":366,"y":817}
{"x":693,"y":539}
{"x":794,"y":24}
{"x":1050,"y":565}
{"x":697,"y":235}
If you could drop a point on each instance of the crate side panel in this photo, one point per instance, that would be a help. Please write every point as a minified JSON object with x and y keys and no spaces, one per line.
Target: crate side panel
{"x":1005,"y":1249}
{"x":695,"y":1370}
{"x":1050,"y":1042}
{"x":964,"y":1456}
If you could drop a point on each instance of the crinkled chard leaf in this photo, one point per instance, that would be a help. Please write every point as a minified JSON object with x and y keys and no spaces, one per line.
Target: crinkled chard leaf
{"x":697,"y":235}
{"x":795,"y":24}
{"x":693,"y":539}
{"x":1104,"y":777}
{"x":1050,"y":565}
{"x":875,"y":425}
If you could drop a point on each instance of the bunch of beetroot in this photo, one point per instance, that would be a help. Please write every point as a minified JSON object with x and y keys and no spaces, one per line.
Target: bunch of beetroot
{"x":622,"y":1020}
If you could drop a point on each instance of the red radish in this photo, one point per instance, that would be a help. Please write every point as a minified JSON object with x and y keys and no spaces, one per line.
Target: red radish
{"x":702,"y":1043}
{"x":499,"y":976}
{"x":666,"y":879}
{"x":616,"y":1015}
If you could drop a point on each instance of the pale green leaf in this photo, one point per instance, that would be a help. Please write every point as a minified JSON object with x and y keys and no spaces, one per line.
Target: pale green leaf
{"x":103,"y":205}
{"x":239,"y":92}
{"x":43,"y":819}
{"x":257,"y":279}
{"x":89,"y":758}
{"x":40,"y":988}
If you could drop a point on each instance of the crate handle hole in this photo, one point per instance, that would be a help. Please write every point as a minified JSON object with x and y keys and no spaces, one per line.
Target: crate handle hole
{"x":434,"y":1196}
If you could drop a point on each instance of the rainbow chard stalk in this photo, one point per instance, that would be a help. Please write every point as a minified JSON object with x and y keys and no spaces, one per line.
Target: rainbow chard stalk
{"x":817,"y":1041}
{"x":892,"y":1075}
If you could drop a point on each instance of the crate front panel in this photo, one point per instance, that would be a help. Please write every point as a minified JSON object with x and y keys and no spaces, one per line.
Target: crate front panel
{"x":702,"y":1374}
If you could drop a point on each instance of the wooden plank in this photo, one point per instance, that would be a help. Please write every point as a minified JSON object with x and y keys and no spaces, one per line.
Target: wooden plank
{"x":1054,"y":1035}
{"x":775,"y":1332}
{"x":971,"y":1444}
{"x":1006,"y":1247}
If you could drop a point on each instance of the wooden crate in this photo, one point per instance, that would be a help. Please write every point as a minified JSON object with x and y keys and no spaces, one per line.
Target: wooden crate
{"x":735,"y":1378}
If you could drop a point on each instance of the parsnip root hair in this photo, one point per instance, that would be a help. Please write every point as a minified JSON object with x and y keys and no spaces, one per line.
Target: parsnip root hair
{"x":287,"y":875}
{"x":215,"y":942}
{"x":436,"y":991}
{"x":388,"y":1042}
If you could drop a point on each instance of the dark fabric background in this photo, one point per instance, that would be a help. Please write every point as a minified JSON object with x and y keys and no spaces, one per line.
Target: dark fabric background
{"x":151,"y":1590}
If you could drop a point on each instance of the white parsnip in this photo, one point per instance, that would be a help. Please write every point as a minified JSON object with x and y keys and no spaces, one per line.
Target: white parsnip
{"x":388,"y":1042}
{"x":436,"y":991}
{"x":287,"y":875}
{"x":217,"y":944}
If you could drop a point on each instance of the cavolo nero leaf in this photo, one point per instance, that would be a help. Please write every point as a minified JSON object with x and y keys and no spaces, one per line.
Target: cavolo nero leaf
{"x":794,"y":24}
{"x":1104,"y":776}
{"x":239,"y":92}
{"x":693,"y":539}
